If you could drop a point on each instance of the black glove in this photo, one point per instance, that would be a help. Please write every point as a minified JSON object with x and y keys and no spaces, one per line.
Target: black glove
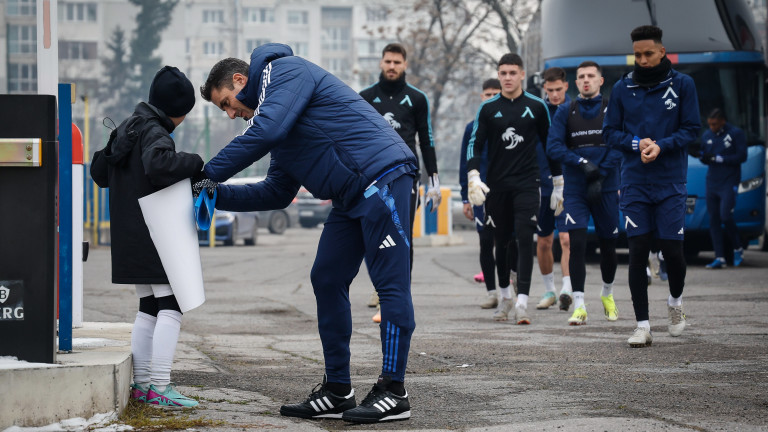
{"x":595,"y":191}
{"x":201,"y":181}
{"x":591,"y":171}
{"x":707,"y":158}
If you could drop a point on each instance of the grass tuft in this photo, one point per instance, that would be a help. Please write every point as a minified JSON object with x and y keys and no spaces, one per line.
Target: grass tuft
{"x":146,"y":417}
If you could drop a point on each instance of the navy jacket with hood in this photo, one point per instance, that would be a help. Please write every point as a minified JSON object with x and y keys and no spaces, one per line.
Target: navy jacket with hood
{"x":321,"y":134}
{"x":667,"y":113}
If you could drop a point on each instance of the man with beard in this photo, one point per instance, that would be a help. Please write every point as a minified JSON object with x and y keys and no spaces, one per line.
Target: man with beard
{"x":406,"y":108}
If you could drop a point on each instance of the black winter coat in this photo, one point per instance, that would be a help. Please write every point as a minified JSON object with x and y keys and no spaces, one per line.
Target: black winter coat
{"x":139,"y":159}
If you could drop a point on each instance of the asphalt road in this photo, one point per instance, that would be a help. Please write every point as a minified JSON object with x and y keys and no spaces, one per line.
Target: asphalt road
{"x":254,"y":346}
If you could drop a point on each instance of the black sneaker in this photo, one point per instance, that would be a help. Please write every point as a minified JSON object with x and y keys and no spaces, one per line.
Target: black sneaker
{"x":320,"y":404}
{"x":380,"y":405}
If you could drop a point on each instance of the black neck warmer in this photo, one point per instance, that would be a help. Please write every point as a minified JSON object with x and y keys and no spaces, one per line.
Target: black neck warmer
{"x":649,"y":77}
{"x":391,"y":87}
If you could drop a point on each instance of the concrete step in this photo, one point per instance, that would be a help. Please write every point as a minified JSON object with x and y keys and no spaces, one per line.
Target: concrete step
{"x":93,"y":378}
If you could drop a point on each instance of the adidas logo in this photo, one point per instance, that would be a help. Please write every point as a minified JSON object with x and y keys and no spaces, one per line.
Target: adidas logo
{"x":681,"y":232}
{"x":319,"y":406}
{"x":385,"y":404}
{"x":616,"y":230}
{"x":498,"y":115}
{"x":377,"y":100}
{"x":388,"y":242}
{"x":534,"y":218}
{"x":569,"y":219}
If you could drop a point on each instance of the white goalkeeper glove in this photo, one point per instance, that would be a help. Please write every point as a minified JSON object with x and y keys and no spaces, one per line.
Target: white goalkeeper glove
{"x":433,"y":194}
{"x":556,"y":201}
{"x":476,"y":188}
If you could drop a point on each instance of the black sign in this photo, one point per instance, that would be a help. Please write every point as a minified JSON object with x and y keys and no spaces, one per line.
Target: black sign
{"x":11,"y":300}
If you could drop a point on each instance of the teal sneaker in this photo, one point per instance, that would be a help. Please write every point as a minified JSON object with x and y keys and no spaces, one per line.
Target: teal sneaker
{"x":170,"y":397}
{"x":547,"y":300}
{"x":139,"y":392}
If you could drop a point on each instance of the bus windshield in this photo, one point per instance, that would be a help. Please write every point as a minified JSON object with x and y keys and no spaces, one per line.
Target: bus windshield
{"x":737,"y":88}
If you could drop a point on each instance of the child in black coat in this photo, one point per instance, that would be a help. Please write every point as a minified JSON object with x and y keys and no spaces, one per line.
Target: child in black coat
{"x":139,"y":159}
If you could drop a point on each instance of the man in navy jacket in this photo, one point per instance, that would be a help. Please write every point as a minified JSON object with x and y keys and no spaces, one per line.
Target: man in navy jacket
{"x":652,"y":116}
{"x":591,"y":171}
{"x":724,"y":149}
{"x":321,"y":134}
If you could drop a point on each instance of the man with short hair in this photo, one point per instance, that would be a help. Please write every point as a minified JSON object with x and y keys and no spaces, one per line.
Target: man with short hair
{"x":491,"y":87}
{"x":723,"y":149}
{"x":512,"y":123}
{"x":406,"y":108}
{"x":550,"y":210}
{"x":652,"y":116}
{"x":321,"y":134}
{"x":591,"y":171}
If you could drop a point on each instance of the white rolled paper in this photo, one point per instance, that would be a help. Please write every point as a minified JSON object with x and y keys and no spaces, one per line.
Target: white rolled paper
{"x":169,"y":216}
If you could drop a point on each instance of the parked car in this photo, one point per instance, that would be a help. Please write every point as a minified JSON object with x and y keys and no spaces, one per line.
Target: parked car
{"x":312,"y":211}
{"x":457,"y":208}
{"x":231,"y":227}
{"x":276,"y":221}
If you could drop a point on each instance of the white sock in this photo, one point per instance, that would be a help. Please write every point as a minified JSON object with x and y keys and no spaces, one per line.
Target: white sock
{"x":567,"y":284}
{"x":492,"y":293}
{"x":506,"y":293}
{"x":141,"y":347}
{"x":164,"y":346}
{"x":578,"y":299}
{"x":549,"y":282}
{"x":675,"y":301}
{"x":644,"y":324}
{"x":607,"y":289}
{"x":522,"y":300}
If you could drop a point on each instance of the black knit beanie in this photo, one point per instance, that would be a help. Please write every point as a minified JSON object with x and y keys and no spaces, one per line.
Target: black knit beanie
{"x":172,"y":92}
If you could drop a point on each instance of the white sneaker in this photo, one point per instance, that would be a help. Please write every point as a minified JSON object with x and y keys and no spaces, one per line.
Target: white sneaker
{"x":374,"y":300}
{"x":491,"y":301}
{"x":676,"y":320}
{"x":547,"y":300}
{"x":521,"y":314}
{"x":502,"y":312}
{"x":640,"y":338}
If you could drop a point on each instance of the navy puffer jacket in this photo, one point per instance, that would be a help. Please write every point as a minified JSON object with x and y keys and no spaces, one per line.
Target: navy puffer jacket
{"x":320,"y":133}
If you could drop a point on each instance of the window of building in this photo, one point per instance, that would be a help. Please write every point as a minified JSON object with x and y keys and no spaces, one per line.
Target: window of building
{"x":213,"y":16}
{"x":22,"y":39}
{"x":252,"y":44}
{"x":375,"y":14}
{"x":22,"y":77}
{"x":76,"y":50}
{"x":77,"y":12}
{"x":300,"y":49}
{"x":213,"y":48}
{"x":21,"y":7}
{"x":298,"y":17}
{"x":258,"y":15}
{"x":336,"y":38}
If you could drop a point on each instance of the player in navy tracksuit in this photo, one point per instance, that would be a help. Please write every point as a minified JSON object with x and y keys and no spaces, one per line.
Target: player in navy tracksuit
{"x":723,"y":148}
{"x":652,"y":116}
{"x":491,"y":88}
{"x":321,"y":134}
{"x":591,"y":171}
{"x":550,"y":209}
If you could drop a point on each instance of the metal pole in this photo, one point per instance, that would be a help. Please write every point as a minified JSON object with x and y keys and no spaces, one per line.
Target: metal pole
{"x":65,"y":217}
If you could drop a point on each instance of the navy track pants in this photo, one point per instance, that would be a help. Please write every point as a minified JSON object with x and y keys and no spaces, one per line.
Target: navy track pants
{"x":376,"y":229}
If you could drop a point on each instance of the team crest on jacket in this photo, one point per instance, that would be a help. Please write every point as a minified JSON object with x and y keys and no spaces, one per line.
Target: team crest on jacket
{"x":513,"y":138}
{"x":670,"y":104}
{"x":389,"y":117}
{"x":727,"y":141}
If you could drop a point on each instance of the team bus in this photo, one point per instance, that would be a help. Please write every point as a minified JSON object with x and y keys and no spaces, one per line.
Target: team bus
{"x":713,"y":41}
